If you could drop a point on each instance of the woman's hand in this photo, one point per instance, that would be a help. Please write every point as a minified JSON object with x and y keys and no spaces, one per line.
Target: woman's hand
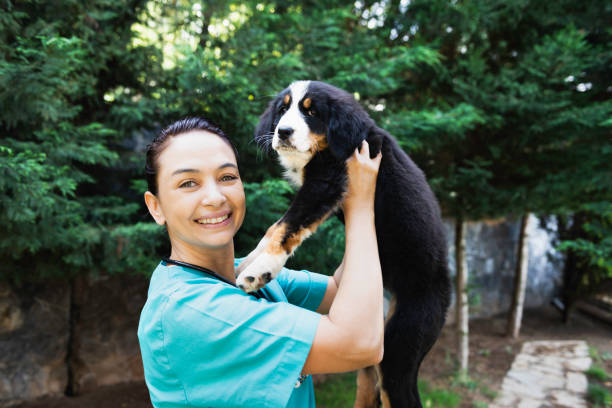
{"x":362,"y":172}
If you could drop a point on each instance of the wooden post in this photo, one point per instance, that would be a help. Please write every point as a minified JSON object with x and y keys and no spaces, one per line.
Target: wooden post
{"x":520,"y":281}
{"x":461,"y":296}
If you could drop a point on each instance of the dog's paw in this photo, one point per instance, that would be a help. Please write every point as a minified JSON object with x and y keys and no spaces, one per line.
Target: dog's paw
{"x":246,"y":262}
{"x":259,"y":272}
{"x":252,"y":256}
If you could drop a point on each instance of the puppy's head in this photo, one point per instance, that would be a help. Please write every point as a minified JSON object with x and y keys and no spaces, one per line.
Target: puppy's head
{"x":310,"y":116}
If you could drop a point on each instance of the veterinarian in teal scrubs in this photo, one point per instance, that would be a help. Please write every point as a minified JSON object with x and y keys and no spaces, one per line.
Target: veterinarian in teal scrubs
{"x":206,"y":343}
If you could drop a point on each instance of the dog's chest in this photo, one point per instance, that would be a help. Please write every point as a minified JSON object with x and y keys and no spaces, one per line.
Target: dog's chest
{"x":294,"y":168}
{"x":295,"y":176}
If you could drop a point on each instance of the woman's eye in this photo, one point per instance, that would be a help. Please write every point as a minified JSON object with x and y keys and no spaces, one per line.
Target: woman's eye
{"x":228,"y":177}
{"x":187,"y":184}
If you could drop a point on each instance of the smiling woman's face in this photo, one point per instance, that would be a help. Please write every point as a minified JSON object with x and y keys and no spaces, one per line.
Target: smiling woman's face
{"x":200,"y":195}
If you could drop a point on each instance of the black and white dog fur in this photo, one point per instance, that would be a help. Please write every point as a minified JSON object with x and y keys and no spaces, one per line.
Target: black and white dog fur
{"x":315,"y":127}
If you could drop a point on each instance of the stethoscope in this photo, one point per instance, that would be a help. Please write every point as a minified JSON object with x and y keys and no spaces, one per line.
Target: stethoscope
{"x":256,"y":294}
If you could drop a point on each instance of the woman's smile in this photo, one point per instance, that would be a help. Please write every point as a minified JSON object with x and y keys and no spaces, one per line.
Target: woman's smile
{"x":215,"y":221}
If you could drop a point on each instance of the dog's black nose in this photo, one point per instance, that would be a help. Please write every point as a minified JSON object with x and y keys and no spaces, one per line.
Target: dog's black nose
{"x":284,"y":133}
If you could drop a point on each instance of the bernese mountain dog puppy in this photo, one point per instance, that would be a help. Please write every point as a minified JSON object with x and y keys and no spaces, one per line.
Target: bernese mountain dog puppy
{"x":314,"y":127}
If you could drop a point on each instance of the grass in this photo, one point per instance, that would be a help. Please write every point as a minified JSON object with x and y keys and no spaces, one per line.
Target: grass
{"x":598,"y":394}
{"x":436,"y":397}
{"x":339,"y":392}
{"x":487,"y":392}
{"x":597,"y":372}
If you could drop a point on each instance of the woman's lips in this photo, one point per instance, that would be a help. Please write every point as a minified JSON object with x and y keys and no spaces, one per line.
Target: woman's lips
{"x":214,"y":221}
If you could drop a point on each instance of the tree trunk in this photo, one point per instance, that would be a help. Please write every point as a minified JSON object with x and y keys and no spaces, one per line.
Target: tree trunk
{"x":520,"y":281}
{"x":73,"y":359}
{"x":572,"y":273}
{"x":461,"y":296}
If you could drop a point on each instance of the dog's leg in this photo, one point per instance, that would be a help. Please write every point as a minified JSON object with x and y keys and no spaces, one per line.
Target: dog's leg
{"x":367,"y":393}
{"x":272,"y":252}
{"x":261,"y":246}
{"x":384,"y":396}
{"x":313,"y":204}
{"x":409,"y":334}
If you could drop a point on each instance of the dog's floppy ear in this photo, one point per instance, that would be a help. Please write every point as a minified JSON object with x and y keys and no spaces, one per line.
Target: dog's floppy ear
{"x":265,"y":126}
{"x":348,"y":127}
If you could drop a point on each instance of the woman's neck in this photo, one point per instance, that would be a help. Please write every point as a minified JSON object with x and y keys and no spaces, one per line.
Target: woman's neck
{"x":219,"y":260}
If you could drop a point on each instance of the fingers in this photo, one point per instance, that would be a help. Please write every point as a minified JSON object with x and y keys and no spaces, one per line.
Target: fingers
{"x":363,"y":151}
{"x":362,"y":154}
{"x":362,"y":174}
{"x":378,"y":158}
{"x":365,"y":148}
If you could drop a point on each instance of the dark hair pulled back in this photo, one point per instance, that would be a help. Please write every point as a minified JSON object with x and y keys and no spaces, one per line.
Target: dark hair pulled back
{"x":157,"y":145}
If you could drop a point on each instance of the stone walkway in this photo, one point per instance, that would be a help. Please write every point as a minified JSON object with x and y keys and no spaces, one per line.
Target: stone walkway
{"x":546,"y":374}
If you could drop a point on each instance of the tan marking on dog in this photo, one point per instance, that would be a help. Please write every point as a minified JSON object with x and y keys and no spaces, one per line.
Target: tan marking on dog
{"x":384,"y":397}
{"x":286,"y":99}
{"x":275,"y":234}
{"x":295,"y":239}
{"x":367,"y":395}
{"x":307,"y":103}
{"x":318,"y":142}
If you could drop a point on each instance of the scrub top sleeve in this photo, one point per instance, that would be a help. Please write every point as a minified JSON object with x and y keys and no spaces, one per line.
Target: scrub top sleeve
{"x":303,"y":288}
{"x":230,"y":349}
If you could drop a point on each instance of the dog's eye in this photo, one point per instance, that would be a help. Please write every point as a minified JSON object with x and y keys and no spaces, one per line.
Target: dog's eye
{"x":311,"y":112}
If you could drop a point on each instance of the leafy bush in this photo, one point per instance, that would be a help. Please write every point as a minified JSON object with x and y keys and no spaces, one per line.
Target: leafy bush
{"x":599,"y":396}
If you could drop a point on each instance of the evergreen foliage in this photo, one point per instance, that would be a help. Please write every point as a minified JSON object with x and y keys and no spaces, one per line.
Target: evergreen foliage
{"x":531,"y":87}
{"x":56,"y":63}
{"x":586,"y":238}
{"x":505,"y":105}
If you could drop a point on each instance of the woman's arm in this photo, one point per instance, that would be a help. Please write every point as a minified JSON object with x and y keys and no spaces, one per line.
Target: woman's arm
{"x":332,"y":288}
{"x":351,"y":335}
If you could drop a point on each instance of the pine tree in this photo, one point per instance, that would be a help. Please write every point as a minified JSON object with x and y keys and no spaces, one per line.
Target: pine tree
{"x":57,"y":204}
{"x":533,"y":80}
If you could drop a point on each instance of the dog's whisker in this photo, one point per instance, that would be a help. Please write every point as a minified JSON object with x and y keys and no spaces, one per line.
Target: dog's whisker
{"x":264,"y":141}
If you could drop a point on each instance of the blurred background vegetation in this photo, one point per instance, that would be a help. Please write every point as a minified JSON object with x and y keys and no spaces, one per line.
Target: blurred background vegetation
{"x":506,"y":105}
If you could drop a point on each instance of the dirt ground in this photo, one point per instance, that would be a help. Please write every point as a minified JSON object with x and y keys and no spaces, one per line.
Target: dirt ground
{"x":491,"y":355}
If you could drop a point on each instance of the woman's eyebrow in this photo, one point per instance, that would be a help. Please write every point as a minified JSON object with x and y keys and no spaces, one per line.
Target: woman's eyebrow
{"x":179,"y":171}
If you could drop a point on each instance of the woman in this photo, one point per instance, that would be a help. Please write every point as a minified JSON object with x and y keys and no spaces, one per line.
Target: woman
{"x":206,"y":343}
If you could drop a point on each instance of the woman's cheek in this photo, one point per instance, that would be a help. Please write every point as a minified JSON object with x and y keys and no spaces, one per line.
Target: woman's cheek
{"x":242,"y":200}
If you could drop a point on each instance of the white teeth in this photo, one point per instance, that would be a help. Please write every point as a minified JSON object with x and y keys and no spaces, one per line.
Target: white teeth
{"x":212,"y":220}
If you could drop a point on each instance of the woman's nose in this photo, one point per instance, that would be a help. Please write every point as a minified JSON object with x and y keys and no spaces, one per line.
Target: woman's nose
{"x":212,"y":195}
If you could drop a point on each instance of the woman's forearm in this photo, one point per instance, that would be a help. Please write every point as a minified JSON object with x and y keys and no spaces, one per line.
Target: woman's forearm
{"x":358,"y":305}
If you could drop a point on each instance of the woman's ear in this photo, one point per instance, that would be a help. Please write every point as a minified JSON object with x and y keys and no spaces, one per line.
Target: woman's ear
{"x":346,"y":130}
{"x":155,"y":210}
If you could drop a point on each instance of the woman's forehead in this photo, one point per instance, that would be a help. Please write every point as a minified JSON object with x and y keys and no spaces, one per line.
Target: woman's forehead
{"x":198,"y":149}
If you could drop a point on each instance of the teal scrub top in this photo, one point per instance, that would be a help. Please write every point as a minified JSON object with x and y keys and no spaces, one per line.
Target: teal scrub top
{"x":205,"y":343}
